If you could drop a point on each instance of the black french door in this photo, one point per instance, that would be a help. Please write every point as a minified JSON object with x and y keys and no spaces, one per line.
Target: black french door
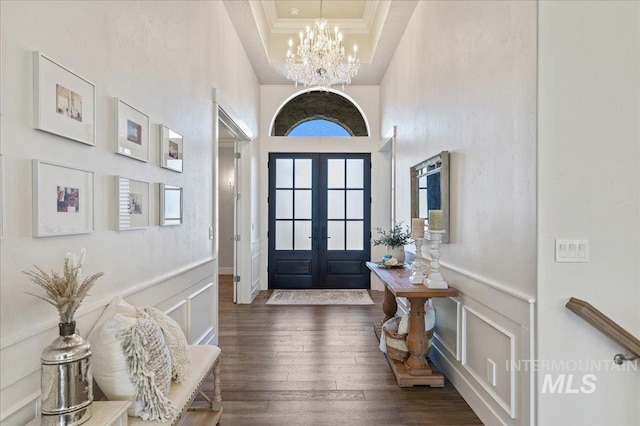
{"x":319,"y":220}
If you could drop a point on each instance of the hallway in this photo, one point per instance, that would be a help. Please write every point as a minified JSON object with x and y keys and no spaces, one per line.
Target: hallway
{"x":316,"y":365}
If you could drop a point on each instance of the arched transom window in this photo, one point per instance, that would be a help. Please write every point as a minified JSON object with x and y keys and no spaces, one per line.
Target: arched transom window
{"x":319,"y":113}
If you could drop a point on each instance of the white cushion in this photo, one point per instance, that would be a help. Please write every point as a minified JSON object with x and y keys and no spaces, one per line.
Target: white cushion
{"x":176,"y":341}
{"x":110,"y":364}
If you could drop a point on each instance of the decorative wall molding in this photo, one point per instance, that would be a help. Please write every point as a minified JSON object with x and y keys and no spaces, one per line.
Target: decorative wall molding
{"x":510,"y":406}
{"x":256,"y":258}
{"x":184,"y":295}
{"x":44,"y":326}
{"x":454,"y":352}
{"x":513,"y":318}
{"x":488,"y":282}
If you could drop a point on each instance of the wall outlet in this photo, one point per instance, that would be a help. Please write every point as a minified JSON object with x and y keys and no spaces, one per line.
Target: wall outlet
{"x":572,"y":251}
{"x":491,"y":371}
{"x":210,"y":233}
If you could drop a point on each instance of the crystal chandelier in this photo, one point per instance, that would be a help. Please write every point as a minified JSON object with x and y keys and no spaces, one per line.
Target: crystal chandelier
{"x":320,"y":57}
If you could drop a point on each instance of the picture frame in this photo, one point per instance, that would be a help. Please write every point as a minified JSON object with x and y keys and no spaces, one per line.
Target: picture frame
{"x":171,"y":149}
{"x":171,"y":205}
{"x":132,"y":131}
{"x":64,"y":103}
{"x":133,"y":207}
{"x":63,"y":200}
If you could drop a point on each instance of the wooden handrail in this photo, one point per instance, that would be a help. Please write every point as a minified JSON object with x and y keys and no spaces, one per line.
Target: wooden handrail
{"x":605,"y":325}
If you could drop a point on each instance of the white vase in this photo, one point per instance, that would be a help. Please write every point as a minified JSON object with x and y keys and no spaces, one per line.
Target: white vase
{"x":397,"y":252}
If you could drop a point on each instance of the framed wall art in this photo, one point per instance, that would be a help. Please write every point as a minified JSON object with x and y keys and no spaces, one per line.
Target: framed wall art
{"x":171,"y":202}
{"x":64,"y":103}
{"x":132,"y":204}
{"x":62,"y":200}
{"x":132,"y":131}
{"x":171,"y":154}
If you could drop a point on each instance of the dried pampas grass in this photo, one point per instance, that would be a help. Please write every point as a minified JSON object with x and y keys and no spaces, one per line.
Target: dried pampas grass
{"x":65,"y":291}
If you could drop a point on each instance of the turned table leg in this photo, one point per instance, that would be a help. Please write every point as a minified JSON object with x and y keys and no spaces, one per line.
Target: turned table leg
{"x":417,"y":341}
{"x":389,"y":305}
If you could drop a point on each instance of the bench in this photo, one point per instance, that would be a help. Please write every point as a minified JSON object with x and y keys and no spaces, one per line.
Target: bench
{"x":205,"y":360}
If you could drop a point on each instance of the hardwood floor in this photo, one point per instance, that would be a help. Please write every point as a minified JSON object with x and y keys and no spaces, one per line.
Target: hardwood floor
{"x":316,"y":365}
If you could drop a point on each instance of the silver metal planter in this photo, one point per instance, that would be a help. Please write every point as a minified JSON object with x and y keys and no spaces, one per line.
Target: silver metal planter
{"x":67,"y":381}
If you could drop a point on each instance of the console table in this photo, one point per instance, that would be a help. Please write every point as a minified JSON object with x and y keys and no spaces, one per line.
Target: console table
{"x":416,"y":370}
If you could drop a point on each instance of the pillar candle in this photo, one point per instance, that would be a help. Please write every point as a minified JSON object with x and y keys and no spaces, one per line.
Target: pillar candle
{"x":417,"y":227}
{"x":436,"y":220}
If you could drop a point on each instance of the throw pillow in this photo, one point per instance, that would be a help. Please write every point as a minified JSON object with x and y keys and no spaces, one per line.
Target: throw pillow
{"x":176,"y":341}
{"x":110,"y":365}
{"x":149,"y":364}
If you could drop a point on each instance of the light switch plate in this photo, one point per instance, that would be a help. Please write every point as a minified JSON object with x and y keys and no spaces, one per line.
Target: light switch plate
{"x":572,"y":251}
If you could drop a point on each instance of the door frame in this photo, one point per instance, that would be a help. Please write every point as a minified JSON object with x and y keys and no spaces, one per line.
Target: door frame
{"x":242,"y":206}
{"x":318,"y":257}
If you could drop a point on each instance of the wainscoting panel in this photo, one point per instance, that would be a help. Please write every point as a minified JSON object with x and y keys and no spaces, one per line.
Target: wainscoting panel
{"x":180,"y":314}
{"x":493,"y":328}
{"x":478,"y":335}
{"x":448,"y":311}
{"x":189,"y":296}
{"x":255,"y":267}
{"x":487,"y":350}
{"x":200,"y":314}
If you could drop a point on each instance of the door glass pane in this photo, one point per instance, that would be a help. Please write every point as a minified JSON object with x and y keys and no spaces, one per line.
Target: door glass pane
{"x":284,"y":173}
{"x":355,"y":173}
{"x":355,"y":207}
{"x":284,"y":204}
{"x":335,"y":235}
{"x":302,"y":234}
{"x":303,"y":173}
{"x":284,"y":235}
{"x":303,"y":204}
{"x":335,"y":204}
{"x":355,"y":235}
{"x":335,"y":173}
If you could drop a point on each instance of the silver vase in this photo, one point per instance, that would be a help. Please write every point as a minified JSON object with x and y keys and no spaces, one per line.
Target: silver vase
{"x":67,"y":381}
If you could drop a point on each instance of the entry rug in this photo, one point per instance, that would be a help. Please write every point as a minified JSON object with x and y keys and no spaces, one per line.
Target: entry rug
{"x":320,"y":297}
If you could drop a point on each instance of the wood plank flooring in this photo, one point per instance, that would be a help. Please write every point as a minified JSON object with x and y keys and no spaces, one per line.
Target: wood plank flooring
{"x":316,"y":365}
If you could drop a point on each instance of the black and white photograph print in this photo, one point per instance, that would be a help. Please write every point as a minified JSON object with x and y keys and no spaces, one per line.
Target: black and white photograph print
{"x":173,"y":150}
{"x":68,"y":199}
{"x":135,"y":203}
{"x":134,"y":132}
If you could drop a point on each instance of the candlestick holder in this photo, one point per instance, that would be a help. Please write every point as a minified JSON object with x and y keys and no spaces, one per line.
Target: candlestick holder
{"x":417,"y":276}
{"x":434,"y":279}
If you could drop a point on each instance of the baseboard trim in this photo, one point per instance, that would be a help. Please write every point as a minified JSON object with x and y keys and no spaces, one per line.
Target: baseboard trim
{"x":477,"y":403}
{"x":225,"y":270}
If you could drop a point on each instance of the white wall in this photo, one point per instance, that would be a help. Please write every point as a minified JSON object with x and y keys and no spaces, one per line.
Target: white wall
{"x":164,"y":58}
{"x":271,"y":99}
{"x":463,"y":79}
{"x":225,"y":247}
{"x":589,"y":188}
